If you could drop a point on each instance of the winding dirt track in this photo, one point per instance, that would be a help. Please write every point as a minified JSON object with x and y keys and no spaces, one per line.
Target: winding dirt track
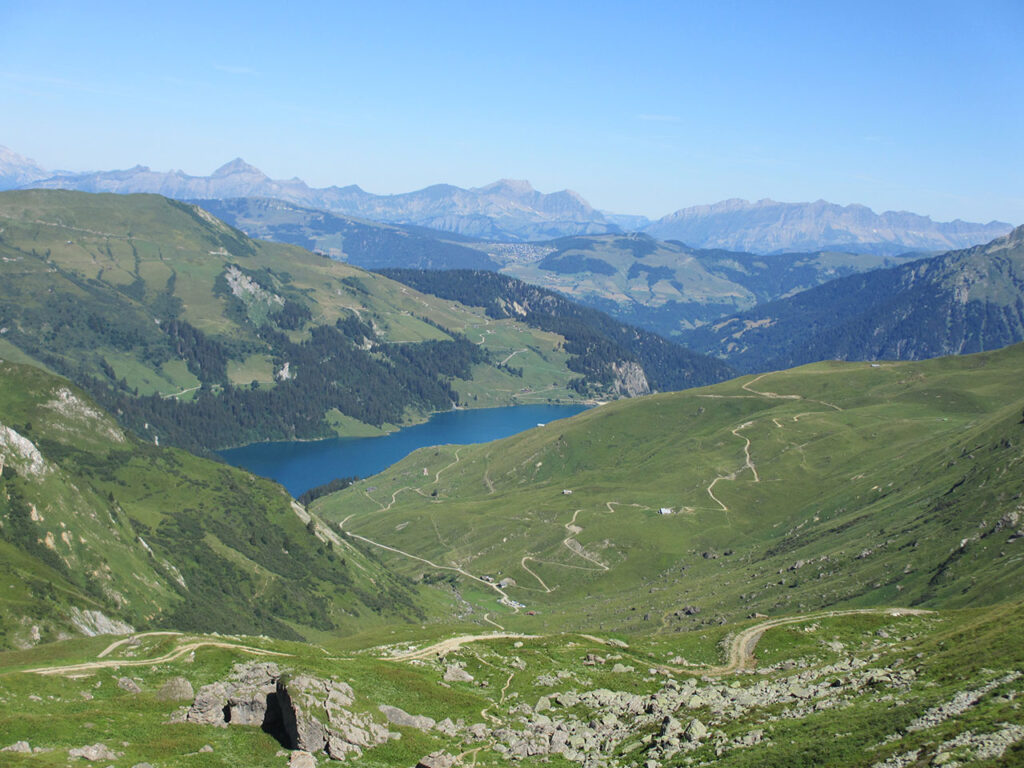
{"x":741,"y":647}
{"x":740,"y":656}
{"x":177,"y":653}
{"x":445,"y":647}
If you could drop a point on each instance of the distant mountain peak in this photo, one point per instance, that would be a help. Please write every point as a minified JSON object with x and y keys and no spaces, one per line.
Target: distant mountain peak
{"x":16,"y":169}
{"x":516,"y":186}
{"x":237,"y":166}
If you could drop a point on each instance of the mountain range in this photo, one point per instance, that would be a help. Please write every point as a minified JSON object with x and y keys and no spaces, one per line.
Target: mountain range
{"x":767,"y":226}
{"x":509,"y":210}
{"x":960,"y":302}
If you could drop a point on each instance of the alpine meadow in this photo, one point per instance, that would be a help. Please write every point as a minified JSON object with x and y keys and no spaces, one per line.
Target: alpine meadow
{"x":768,"y":506}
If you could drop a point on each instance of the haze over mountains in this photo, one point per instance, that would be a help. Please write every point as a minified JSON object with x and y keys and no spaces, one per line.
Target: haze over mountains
{"x":509,"y":210}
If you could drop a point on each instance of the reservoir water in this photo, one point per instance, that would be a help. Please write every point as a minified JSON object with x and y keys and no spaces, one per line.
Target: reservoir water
{"x":299,"y":466}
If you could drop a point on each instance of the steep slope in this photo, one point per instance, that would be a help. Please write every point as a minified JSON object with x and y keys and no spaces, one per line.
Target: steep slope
{"x":195,"y":334}
{"x":503,"y":210}
{"x":98,"y":529}
{"x":832,"y":485}
{"x":621,"y":357}
{"x":353,"y":241}
{"x":767,"y":226}
{"x":963,"y":301}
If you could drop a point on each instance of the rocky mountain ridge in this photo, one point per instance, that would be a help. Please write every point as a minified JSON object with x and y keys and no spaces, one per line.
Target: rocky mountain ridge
{"x":768,"y":226}
{"x":513,"y":211}
{"x":504,"y":210}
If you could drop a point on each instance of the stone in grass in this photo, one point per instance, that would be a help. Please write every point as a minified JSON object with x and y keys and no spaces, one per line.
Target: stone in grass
{"x":695,"y":731}
{"x":18,"y":746}
{"x":93,"y":752}
{"x":127,"y":684}
{"x":401,"y":717}
{"x":456,"y":674}
{"x":301,"y":759}
{"x":440,"y":759}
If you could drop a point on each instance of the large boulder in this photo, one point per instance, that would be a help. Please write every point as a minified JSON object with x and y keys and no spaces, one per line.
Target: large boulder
{"x":401,"y":717}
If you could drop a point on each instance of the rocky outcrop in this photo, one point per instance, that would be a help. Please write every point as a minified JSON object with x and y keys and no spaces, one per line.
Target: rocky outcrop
{"x":630,"y":379}
{"x":93,"y":623}
{"x":305,"y":713}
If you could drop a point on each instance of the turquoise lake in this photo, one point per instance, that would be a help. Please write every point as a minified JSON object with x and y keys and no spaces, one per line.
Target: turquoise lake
{"x":299,"y":466}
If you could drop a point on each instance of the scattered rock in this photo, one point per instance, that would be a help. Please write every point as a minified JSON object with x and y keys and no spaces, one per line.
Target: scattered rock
{"x":301,"y":759}
{"x":94,"y":752}
{"x":127,"y":684}
{"x":206,"y":748}
{"x":18,"y":746}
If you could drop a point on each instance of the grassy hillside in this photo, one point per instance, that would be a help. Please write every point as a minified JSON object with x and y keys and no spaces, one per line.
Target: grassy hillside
{"x":960,"y":302}
{"x":595,"y":340}
{"x":93,"y":521}
{"x":198,"y":335}
{"x":829,"y":485}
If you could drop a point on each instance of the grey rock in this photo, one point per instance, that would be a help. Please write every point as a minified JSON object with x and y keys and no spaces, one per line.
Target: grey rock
{"x":18,"y":746}
{"x":301,"y":759}
{"x":93,"y":752}
{"x":127,"y":684}
{"x":401,"y":717}
{"x":339,"y":748}
{"x":175,"y":689}
{"x":456,"y":674}
{"x":440,"y":759}
{"x":206,"y":748}
{"x":304,"y":731}
{"x":695,"y":731}
{"x":208,"y":707}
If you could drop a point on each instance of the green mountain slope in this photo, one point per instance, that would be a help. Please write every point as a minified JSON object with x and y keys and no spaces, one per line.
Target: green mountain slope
{"x":670,"y":287}
{"x":599,"y":345}
{"x":960,"y":302}
{"x":195,"y":334}
{"x":829,"y":485}
{"x":93,"y":521}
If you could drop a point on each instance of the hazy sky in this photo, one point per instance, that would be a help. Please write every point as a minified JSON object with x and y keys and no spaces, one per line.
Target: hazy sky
{"x":640,"y":107}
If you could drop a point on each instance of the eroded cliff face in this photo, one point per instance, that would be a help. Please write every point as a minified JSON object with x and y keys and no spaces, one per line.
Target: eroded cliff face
{"x":630,"y":379}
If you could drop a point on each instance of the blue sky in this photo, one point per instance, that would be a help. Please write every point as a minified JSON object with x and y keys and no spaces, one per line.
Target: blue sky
{"x":640,"y":107}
